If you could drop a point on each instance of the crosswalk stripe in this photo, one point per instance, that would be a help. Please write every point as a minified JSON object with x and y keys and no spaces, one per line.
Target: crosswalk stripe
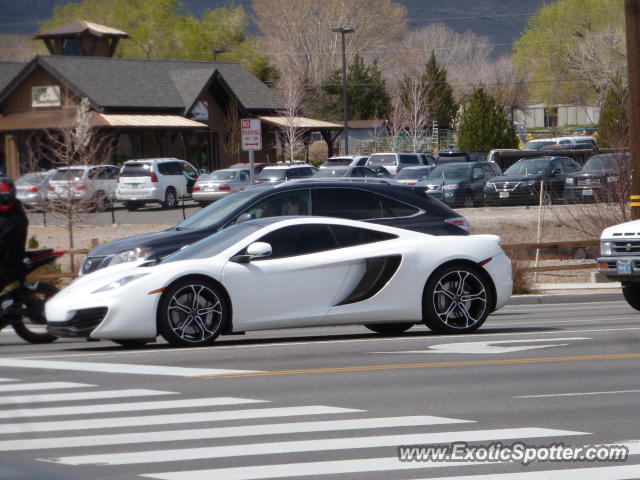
{"x":17,"y":387}
{"x":126,"y":407}
{"x":224,"y":432}
{"x":153,"y":456}
{"x":302,"y":469}
{"x":171,"y":419}
{"x":620,"y":472}
{"x":117,"y":368}
{"x":7,"y":380}
{"x":64,"y":397}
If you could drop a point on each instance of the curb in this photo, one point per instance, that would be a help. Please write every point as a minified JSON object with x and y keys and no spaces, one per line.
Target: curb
{"x":550,"y":298}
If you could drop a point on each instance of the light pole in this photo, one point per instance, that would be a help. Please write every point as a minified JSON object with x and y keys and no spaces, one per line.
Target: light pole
{"x":343,"y":31}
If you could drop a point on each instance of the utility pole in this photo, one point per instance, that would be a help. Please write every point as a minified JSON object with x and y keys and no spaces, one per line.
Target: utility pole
{"x":343,"y":31}
{"x":632,"y":21}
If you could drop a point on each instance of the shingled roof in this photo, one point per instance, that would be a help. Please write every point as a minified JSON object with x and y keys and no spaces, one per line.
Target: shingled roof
{"x":161,"y":85}
{"x":8,"y":71}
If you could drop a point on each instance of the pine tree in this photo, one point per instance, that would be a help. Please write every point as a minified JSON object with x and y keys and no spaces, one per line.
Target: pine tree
{"x":484,"y":124}
{"x":613,"y":126}
{"x":440,"y":99}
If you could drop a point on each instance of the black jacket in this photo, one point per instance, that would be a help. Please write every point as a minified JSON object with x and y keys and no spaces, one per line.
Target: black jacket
{"x":13,"y":237}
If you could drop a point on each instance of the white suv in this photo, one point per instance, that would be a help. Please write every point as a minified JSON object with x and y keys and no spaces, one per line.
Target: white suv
{"x":92,"y":185}
{"x":161,"y":180}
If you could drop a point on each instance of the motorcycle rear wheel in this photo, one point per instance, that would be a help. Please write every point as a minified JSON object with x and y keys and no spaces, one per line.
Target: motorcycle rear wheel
{"x":31,"y":327}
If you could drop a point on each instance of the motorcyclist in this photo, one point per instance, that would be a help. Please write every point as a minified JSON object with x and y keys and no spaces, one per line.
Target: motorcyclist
{"x":13,"y":234}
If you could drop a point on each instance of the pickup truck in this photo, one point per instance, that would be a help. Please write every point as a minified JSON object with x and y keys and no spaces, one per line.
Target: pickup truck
{"x":620,"y":258}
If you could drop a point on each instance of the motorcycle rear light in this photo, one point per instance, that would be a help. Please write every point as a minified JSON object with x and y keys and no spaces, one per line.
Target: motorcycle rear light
{"x":154,"y":177}
{"x":461,"y":222}
{"x":32,"y":189}
{"x":81,"y":187}
{"x":224,"y":188}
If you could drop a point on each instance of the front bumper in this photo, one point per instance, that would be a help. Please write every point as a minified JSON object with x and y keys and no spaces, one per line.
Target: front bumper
{"x":521,"y":195}
{"x":80,"y":325}
{"x":620,"y":268}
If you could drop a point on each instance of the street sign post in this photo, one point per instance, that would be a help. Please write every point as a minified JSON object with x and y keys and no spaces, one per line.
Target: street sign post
{"x":251,"y":139}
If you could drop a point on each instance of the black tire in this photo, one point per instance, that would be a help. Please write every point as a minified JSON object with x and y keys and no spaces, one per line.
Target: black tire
{"x":131,"y":206}
{"x":31,"y":327}
{"x":457,"y":299}
{"x":182,"y":320}
{"x":170,"y":198}
{"x":135,"y":342}
{"x":389,"y":328}
{"x":631,"y":292}
{"x":100,"y":202}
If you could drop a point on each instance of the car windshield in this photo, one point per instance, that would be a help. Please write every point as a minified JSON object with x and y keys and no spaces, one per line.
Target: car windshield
{"x":605,"y":162}
{"x":377,"y":160}
{"x":219,"y":210}
{"x":412,"y":173}
{"x":331,"y":172}
{"x":538,"y":144}
{"x":31,"y":179}
{"x":214,"y":244}
{"x":137,"y":169}
{"x":221,"y":175}
{"x":270,"y":174}
{"x":530,"y":166}
{"x":68,"y":174}
{"x":453,"y":158}
{"x":337,"y":161}
{"x":450,"y":172}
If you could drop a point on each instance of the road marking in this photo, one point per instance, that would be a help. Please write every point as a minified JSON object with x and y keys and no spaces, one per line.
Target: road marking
{"x":7,"y":380}
{"x":16,"y":387}
{"x":620,"y":472}
{"x":125,"y":407}
{"x":62,"y":397}
{"x":144,"y":420}
{"x":271,"y":448}
{"x":115,"y":368}
{"x":225,"y":432}
{"x":576,"y":394}
{"x":488,"y":347}
{"x":366,"y":368}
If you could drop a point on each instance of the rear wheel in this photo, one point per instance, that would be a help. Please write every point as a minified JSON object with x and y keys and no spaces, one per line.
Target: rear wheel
{"x":457,"y":299}
{"x":32,"y":325}
{"x":389,"y":328}
{"x":192,"y":312}
{"x":170,"y":198}
{"x":631,"y":292}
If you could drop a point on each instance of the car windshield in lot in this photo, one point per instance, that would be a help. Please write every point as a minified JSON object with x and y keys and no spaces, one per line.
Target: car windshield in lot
{"x":331,"y":172}
{"x":217,"y":211}
{"x":538,"y":144}
{"x":337,"y":162}
{"x":529,"y":166}
{"x":412,"y":173}
{"x":272,"y":174}
{"x":450,"y":172}
{"x":382,"y":160}
{"x":31,"y":179}
{"x":607,"y":161}
{"x":452,"y":158}
{"x":136,"y":170}
{"x":220,"y":175}
{"x":68,"y":174}
{"x":214,"y":244}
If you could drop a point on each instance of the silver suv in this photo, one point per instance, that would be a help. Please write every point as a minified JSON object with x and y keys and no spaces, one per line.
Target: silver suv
{"x":393,"y":162}
{"x":155,"y":180}
{"x":283,"y":171}
{"x":92,"y":185}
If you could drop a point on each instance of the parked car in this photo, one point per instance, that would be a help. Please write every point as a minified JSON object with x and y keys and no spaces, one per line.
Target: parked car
{"x":521,"y":182}
{"x":257,"y":166}
{"x":297,"y":272}
{"x":454,"y":156}
{"x":345,"y":161}
{"x":216,"y":185}
{"x":599,"y":179}
{"x":283,"y":171}
{"x":92,"y":186}
{"x":376,"y":201}
{"x":394,"y":162}
{"x":32,"y":188}
{"x":575,"y":142}
{"x":539,"y":144}
{"x":338,"y":171}
{"x":155,"y":180}
{"x":413,"y":175}
{"x":460,"y":184}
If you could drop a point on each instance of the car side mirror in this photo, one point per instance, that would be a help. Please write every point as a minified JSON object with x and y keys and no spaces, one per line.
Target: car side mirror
{"x":555,"y":172}
{"x":255,"y":250}
{"x":245,"y":217}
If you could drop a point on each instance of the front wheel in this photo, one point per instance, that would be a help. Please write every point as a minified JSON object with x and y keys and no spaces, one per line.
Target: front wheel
{"x":192,"y":312}
{"x":170,"y":198}
{"x":32,"y":325}
{"x":457,"y":299}
{"x":389,"y":328}
{"x":631,"y":292}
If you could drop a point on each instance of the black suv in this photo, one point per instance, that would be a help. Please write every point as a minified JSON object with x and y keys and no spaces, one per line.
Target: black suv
{"x":378,"y":202}
{"x":521,"y":182}
{"x":603,"y":178}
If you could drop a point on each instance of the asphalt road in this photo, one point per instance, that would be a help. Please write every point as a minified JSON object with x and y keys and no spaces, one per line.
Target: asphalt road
{"x":328,"y":402}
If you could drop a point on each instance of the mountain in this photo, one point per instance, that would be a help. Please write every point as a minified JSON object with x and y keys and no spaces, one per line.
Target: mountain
{"x":500,"y":20}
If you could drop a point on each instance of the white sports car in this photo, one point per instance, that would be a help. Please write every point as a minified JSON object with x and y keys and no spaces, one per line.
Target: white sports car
{"x":291,"y":272}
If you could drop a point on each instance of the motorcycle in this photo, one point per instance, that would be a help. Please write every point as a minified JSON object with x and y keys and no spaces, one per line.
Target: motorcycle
{"x":22,"y":307}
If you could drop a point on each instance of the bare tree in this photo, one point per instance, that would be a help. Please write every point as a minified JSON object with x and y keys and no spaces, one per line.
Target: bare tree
{"x":232,"y":145}
{"x":290,"y":137}
{"x":396,"y":124}
{"x":17,"y":48}
{"x":414,"y":97}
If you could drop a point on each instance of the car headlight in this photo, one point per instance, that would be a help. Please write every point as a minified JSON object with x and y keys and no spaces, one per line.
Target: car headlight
{"x":569,"y":181}
{"x":129,"y":256}
{"x":452,"y":186}
{"x":605,"y":249}
{"x":489,"y":187}
{"x":612,"y":179}
{"x":120,"y":282}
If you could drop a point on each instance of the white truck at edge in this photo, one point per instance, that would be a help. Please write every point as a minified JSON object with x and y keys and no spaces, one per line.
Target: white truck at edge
{"x":620,"y":258}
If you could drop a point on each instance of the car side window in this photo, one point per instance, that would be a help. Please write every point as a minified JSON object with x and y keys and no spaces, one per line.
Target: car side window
{"x":169,"y":168}
{"x":477,"y":173}
{"x":395,"y":209}
{"x":557,"y":166}
{"x":362,"y":161}
{"x":346,"y":203}
{"x":299,"y":240}
{"x":244,"y":176}
{"x":93,"y":174}
{"x":488,"y":171}
{"x":287,"y":203}
{"x":570,"y":165}
{"x":350,"y":236}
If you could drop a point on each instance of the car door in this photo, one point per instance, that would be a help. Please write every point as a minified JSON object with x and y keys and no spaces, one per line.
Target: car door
{"x":477,"y":184}
{"x":294,"y":286}
{"x":556,"y":178}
